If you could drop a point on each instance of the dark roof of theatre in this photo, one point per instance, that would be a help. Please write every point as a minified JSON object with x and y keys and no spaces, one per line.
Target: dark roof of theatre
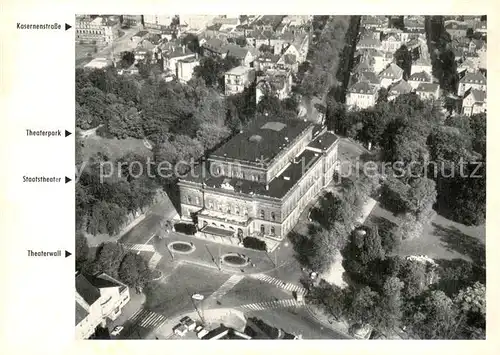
{"x":325,"y":141}
{"x":261,"y":142}
{"x":278,"y":187}
{"x":86,"y":289}
{"x":80,"y":313}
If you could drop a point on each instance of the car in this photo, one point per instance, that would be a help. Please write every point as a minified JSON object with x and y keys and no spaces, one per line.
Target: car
{"x":180,"y":330}
{"x":202,"y":333}
{"x":117,"y":330}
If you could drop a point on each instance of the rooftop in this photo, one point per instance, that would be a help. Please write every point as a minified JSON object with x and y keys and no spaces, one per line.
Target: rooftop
{"x":402,"y":87}
{"x":363,"y":87}
{"x":86,"y":289}
{"x":392,"y":71}
{"x":474,"y":78}
{"x":275,"y":136}
{"x":324,"y":141}
{"x":477,"y":95}
{"x":279,"y":186}
{"x":80,"y":313}
{"x":420,"y":76}
{"x":241,"y":70}
{"x":427,"y":87}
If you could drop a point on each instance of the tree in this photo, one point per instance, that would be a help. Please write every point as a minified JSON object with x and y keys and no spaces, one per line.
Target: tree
{"x":108,"y":258}
{"x":420,"y":197}
{"x":435,"y":318}
{"x":134,"y":270}
{"x":403,"y":59}
{"x":324,"y":249}
{"x":413,"y":275}
{"x":81,"y":249}
{"x":362,"y":307}
{"x":266,"y":48}
{"x":391,"y":305}
{"x":127,"y":59}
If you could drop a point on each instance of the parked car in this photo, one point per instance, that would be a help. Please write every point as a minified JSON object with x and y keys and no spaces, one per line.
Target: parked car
{"x":202,"y":333}
{"x":188,"y":323}
{"x":117,"y":330}
{"x":180,"y":330}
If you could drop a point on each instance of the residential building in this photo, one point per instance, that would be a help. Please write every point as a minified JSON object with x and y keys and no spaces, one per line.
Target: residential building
{"x":369,"y":42}
{"x":474,"y":80}
{"x":414,"y":24}
{"x":456,"y":29}
{"x":246,"y":55}
{"x":362,"y":95}
{"x":377,"y":23}
{"x":477,"y":45}
{"x":237,"y":79}
{"x":196,"y":22}
{"x":214,"y":47}
{"x":468,"y":66}
{"x":378,"y":60}
{"x":158,"y":22}
{"x":481,"y":28}
{"x":275,"y":82}
{"x":100,"y":30}
{"x":259,"y":182}
{"x":392,"y":43}
{"x":139,"y":36}
{"x":297,"y":20}
{"x":428,"y":91}
{"x":399,"y":88}
{"x":390,"y":75}
{"x":185,"y":68}
{"x":474,"y":102}
{"x":99,"y":63}
{"x":98,"y":299}
{"x":266,"y":61}
{"x":174,"y":53}
{"x":421,"y":65}
{"x":132,"y":20}
{"x":417,"y":78}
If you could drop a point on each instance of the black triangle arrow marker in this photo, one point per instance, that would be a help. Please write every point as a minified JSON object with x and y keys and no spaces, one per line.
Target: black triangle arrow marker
{"x":66,"y":27}
{"x":67,"y":133}
{"x":66,"y":253}
{"x":66,"y":179}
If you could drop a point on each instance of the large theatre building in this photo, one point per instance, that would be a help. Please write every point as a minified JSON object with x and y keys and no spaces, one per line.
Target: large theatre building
{"x":258,"y":183}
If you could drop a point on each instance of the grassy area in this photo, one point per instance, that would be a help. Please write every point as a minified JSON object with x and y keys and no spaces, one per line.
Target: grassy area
{"x":84,"y":53}
{"x":441,"y":239}
{"x":114,"y":148}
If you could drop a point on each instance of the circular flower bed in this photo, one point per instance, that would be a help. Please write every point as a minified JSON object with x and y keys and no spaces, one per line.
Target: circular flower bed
{"x":235,"y":260}
{"x":181,"y":247}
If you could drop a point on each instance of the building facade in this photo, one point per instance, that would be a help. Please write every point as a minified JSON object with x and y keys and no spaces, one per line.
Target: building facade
{"x":259,"y":182}
{"x":98,"y":299}
{"x":237,"y":79}
{"x":473,"y":80}
{"x":185,"y":68}
{"x":99,"y":30}
{"x":157,"y":22}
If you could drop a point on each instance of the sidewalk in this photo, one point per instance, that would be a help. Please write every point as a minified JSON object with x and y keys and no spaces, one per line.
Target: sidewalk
{"x":207,"y":253}
{"x":328,"y":321}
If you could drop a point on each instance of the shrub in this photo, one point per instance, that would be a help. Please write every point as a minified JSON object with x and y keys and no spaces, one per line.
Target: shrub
{"x":185,"y":228}
{"x":254,"y":243}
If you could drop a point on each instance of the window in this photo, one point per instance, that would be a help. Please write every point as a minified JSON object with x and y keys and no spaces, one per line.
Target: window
{"x":189,"y":199}
{"x":262,"y":229}
{"x":273,"y":230}
{"x":240,"y":232}
{"x":222,"y":226}
{"x":273,"y":216}
{"x":262,"y":214}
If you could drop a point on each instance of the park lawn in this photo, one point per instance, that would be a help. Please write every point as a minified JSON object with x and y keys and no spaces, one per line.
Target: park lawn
{"x":114,"y":148}
{"x":442,"y":238}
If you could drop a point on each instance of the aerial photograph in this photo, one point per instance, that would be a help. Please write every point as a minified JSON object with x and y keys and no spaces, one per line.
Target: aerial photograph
{"x":280,"y":177}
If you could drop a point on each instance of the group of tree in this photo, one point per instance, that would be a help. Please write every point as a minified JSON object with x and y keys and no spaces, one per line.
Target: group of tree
{"x":324,"y":55}
{"x":112,"y":259}
{"x":444,"y":67}
{"x":212,"y":70}
{"x":416,"y":144}
{"x":391,"y":293}
{"x":333,"y":221}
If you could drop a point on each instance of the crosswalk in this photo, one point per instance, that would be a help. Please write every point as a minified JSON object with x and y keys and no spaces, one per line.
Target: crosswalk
{"x":286,"y":303}
{"x":155,"y":259}
{"x":148,"y":319}
{"x":139,"y":247}
{"x":278,"y":283}
{"x":226,"y":286}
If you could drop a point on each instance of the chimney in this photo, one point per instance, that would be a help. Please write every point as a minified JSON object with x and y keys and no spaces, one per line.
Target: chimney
{"x":184,"y":48}
{"x":267,"y":187}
